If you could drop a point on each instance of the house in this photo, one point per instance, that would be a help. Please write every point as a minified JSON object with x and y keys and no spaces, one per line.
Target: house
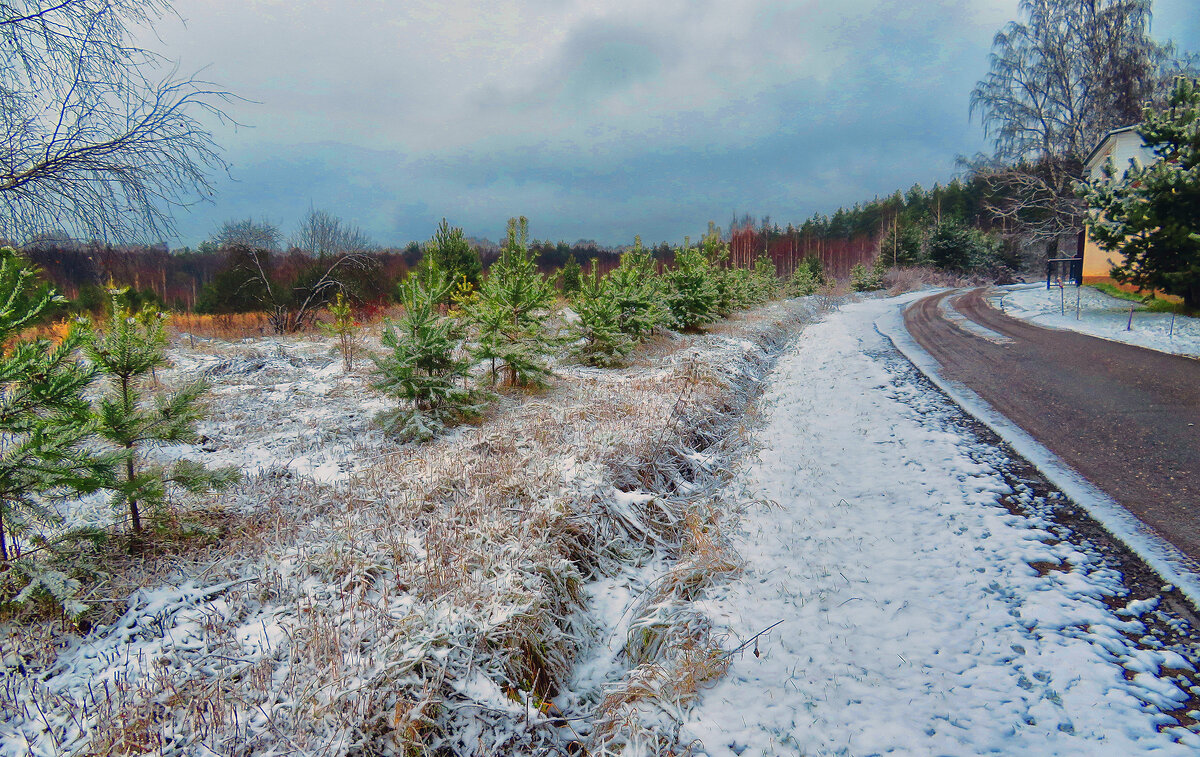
{"x":1121,"y":146}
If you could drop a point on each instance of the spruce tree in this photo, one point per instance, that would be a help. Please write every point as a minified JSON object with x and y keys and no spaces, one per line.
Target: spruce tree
{"x":509,"y":313}
{"x":690,"y":293}
{"x":44,"y":419}
{"x":134,"y":419}
{"x":604,"y":344}
{"x":423,"y":368}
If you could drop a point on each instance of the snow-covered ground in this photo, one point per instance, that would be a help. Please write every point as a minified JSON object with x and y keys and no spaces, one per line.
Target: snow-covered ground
{"x":1100,"y":315}
{"x":909,"y":609}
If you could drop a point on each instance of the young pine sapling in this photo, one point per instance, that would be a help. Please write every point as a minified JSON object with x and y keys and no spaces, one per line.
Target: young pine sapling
{"x":423,"y":367}
{"x":133,"y":419}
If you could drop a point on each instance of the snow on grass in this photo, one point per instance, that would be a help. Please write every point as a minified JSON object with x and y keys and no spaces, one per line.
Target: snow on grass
{"x":359,"y":596}
{"x":1100,"y":315}
{"x":906,"y":607}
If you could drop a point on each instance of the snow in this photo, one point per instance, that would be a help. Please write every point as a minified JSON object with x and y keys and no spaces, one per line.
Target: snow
{"x":1100,"y":315}
{"x":1162,"y":556}
{"x":910,"y":619}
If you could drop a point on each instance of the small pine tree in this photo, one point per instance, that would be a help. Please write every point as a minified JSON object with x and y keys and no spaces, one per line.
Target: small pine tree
{"x":817,"y":269}
{"x":509,"y":313}
{"x":572,"y":276}
{"x":766,"y":284}
{"x":453,"y":255}
{"x":863,"y":279}
{"x":1151,"y":215}
{"x":44,"y":418}
{"x":803,"y":283}
{"x":604,"y":344}
{"x":423,"y":368}
{"x":345,"y":329}
{"x":127,"y":353}
{"x":690,"y":293}
{"x":637,"y":290}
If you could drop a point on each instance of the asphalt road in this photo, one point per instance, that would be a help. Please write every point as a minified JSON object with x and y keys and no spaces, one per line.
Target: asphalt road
{"x":1126,"y":418}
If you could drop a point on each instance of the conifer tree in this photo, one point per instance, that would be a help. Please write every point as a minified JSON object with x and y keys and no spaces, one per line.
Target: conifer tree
{"x":765,"y":280}
{"x":423,"y":367}
{"x":637,"y":290}
{"x":572,"y":276}
{"x":803,"y":283}
{"x":1152,"y":214}
{"x":44,"y":419}
{"x":599,"y":326}
{"x":450,"y":252}
{"x":509,"y":313}
{"x":690,"y":293}
{"x":133,"y":419}
{"x":345,"y":330}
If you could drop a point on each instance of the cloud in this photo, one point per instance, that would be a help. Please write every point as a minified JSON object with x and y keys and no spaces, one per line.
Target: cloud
{"x":597,"y":120}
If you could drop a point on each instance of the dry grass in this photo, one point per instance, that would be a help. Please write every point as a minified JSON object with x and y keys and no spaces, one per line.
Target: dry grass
{"x":436,"y":603}
{"x":900,"y":280}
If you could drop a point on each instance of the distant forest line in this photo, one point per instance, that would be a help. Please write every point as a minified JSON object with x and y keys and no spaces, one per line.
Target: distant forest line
{"x":848,"y":236}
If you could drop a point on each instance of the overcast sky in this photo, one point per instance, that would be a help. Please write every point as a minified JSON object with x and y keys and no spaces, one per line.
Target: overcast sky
{"x":597,"y":120}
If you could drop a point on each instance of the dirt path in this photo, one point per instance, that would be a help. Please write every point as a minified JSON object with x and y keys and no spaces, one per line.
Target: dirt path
{"x":1126,"y":418}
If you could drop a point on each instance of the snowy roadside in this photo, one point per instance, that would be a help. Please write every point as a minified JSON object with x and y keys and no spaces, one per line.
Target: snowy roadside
{"x":357,"y":596}
{"x":1100,"y":315}
{"x":925,"y":598}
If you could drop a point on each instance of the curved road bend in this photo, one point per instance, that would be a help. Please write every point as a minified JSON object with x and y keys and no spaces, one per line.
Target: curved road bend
{"x":1126,"y":418}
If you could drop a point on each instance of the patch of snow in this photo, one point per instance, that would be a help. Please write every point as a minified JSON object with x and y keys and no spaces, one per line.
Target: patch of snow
{"x":909,"y":618}
{"x":1100,"y":315}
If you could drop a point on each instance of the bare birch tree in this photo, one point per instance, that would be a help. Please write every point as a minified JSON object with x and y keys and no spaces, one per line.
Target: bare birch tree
{"x":1058,"y":81}
{"x":99,"y":138}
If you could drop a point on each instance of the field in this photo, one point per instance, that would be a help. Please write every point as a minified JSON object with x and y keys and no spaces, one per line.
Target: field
{"x":512,"y":586}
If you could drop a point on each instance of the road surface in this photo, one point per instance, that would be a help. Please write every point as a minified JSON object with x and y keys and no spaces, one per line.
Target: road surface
{"x":1126,"y":418}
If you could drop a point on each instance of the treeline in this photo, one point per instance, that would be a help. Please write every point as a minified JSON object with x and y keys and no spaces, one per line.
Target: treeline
{"x":947,"y":226}
{"x":245,"y":267}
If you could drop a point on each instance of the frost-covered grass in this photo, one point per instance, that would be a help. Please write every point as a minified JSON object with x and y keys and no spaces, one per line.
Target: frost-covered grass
{"x":1101,"y":315}
{"x":484,"y":593}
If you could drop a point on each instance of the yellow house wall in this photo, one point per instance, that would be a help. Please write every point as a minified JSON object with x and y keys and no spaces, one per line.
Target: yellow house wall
{"x":1097,"y":262}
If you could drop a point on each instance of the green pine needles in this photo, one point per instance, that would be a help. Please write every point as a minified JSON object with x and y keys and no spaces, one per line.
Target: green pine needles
{"x":690,"y":292}
{"x":44,"y":419}
{"x":509,"y":314}
{"x":1151,"y":214}
{"x":133,"y":419}
{"x":423,"y":367}
{"x":602,"y":341}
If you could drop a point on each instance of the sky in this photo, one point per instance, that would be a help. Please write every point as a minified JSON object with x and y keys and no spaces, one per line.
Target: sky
{"x":597,"y":120}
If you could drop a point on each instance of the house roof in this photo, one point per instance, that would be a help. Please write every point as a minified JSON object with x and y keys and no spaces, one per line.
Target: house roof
{"x":1104,"y":140}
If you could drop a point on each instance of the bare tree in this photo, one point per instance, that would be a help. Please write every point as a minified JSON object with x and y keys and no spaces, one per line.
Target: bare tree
{"x":322,"y":234}
{"x":292,"y":299}
{"x":248,"y":233}
{"x":1058,"y":81}
{"x":99,"y":137}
